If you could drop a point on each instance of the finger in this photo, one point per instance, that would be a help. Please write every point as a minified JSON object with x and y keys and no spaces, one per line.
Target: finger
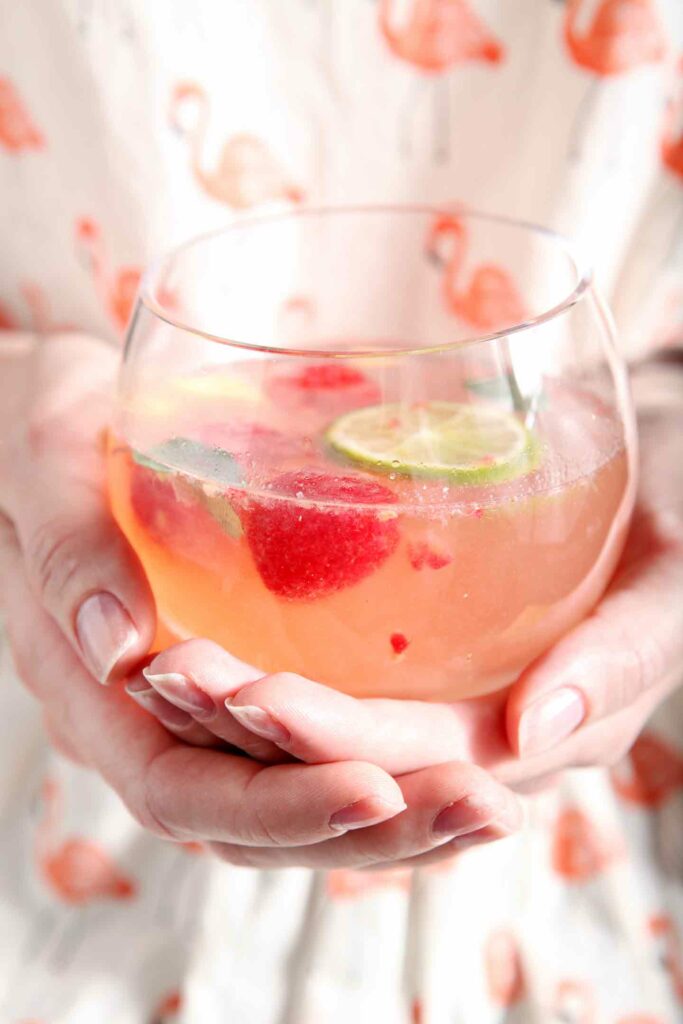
{"x":196,"y":676}
{"x":172,"y":718}
{"x":178,"y":791}
{"x":79,"y":563}
{"x":317,"y":724}
{"x":457,"y":804}
{"x":632,"y":645}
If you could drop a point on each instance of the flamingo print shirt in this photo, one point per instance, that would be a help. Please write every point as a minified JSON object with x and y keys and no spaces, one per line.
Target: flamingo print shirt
{"x":126,"y":128}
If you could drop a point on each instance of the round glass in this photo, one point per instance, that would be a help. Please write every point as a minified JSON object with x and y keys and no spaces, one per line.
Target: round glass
{"x":390,"y":449}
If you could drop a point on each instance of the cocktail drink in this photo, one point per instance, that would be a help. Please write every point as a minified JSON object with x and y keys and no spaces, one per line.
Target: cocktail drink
{"x":385,"y":496}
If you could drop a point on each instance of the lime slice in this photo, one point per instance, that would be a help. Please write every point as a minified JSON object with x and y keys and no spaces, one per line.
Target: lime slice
{"x":466,"y":444}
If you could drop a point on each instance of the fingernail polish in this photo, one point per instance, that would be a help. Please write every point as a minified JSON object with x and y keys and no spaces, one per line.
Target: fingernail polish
{"x":466,"y":816}
{"x":149,"y":699}
{"x":461,"y":817}
{"x":182,"y":692}
{"x":258,"y":721}
{"x":105,"y":633}
{"x":549,"y":720}
{"x":363,"y":813}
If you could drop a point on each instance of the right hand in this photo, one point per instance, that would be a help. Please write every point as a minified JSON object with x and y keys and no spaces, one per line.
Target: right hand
{"x":78,"y":608}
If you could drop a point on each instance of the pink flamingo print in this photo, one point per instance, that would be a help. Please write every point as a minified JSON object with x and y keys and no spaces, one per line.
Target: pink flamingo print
{"x":574,"y":1003}
{"x":490,"y":301}
{"x":39,"y":316}
{"x":17,"y":130}
{"x":621,"y":36}
{"x":169,"y":1006}
{"x":78,"y":871}
{"x":503,"y":966}
{"x":8,"y":321}
{"x":246,"y":173}
{"x":343,"y":884}
{"x":656,"y":773}
{"x":434,"y":36}
{"x":672,"y":137}
{"x":579,"y":852}
{"x":117,"y":289}
{"x":662,"y":927}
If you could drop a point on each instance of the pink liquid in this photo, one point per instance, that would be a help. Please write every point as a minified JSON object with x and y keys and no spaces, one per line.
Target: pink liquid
{"x":428,"y":590}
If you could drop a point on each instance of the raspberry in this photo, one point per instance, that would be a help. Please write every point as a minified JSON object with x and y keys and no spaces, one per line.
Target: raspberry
{"x":308,"y":551}
{"x":329,"y":376}
{"x":399,"y":642}
{"x":334,"y":386}
{"x":173,"y":513}
{"x":244,"y":438}
{"x":421,"y":556}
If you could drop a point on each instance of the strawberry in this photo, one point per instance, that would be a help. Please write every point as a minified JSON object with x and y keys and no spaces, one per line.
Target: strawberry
{"x":305,"y":551}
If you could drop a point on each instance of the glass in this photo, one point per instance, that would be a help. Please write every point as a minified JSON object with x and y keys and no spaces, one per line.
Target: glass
{"x":391,"y":449}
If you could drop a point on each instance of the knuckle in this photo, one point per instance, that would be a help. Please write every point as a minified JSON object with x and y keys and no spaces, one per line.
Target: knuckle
{"x":252,"y":824}
{"x":146,"y":800}
{"x":53,"y":555}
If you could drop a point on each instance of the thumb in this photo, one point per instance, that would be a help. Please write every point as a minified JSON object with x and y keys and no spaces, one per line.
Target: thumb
{"x":79,"y":563}
{"x":629,"y":649}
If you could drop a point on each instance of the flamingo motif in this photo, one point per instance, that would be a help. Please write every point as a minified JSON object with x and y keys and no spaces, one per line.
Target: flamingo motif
{"x":434,"y":36}
{"x":490,"y":300}
{"x":343,"y":884}
{"x":17,"y":130}
{"x":246,"y":173}
{"x":7,"y":320}
{"x":579,"y":851}
{"x":39,"y":312}
{"x":672,"y":138}
{"x":663,"y":928}
{"x":503,"y":966}
{"x":574,"y":1002}
{"x":656,"y":772}
{"x":169,"y":1006}
{"x":117,"y":289}
{"x":78,"y":871}
{"x":621,"y":36}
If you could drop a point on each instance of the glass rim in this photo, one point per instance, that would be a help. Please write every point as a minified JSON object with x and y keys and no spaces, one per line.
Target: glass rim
{"x":583,"y":272}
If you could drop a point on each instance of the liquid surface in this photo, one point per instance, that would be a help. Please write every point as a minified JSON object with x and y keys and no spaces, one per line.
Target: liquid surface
{"x":256,"y":534}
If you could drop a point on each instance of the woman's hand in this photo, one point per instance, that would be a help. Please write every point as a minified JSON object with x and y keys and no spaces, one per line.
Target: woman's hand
{"x":77,"y":607}
{"x":582,"y":703}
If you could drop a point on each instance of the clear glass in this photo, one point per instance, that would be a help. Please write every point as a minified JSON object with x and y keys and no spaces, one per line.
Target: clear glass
{"x":391,"y":449}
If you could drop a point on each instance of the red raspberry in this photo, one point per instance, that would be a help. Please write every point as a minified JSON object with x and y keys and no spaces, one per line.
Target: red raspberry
{"x":333,"y":386}
{"x":399,"y":642}
{"x":175,"y":517}
{"x":330,"y":376}
{"x":422,"y":556}
{"x":306,"y":551}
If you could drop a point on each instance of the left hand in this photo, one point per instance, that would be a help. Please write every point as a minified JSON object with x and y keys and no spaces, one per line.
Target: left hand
{"x":581,"y":703}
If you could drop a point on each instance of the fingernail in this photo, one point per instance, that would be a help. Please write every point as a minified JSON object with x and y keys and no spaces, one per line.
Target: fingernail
{"x":105,"y":633}
{"x":549,"y":720}
{"x":149,"y":699}
{"x":182,"y":692}
{"x":260,"y":722}
{"x":364,"y":812}
{"x":465,"y":816}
